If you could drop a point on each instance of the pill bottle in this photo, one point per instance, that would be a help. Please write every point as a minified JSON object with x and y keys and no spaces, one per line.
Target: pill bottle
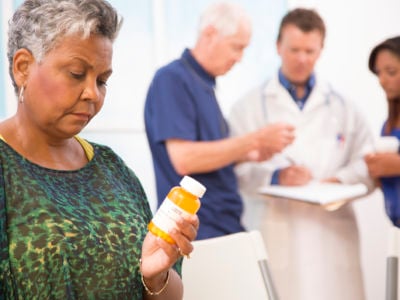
{"x":181,"y":201}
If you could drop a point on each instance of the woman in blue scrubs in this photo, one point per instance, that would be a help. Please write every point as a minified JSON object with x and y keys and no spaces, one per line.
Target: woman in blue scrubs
{"x":384,"y":62}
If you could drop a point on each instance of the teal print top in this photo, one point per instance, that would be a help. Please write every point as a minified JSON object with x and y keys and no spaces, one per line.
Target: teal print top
{"x":70,"y":234}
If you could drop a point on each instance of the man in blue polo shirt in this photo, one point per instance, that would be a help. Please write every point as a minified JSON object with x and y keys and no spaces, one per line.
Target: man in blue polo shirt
{"x":187,"y":131}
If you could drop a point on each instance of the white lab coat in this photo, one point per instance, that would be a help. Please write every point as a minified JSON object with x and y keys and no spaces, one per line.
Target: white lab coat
{"x":314,"y":254}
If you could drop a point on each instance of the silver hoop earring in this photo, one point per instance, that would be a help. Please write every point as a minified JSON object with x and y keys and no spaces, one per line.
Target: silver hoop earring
{"x":21,"y":95}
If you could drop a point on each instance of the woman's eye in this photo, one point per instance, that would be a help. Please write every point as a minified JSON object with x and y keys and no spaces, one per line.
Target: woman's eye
{"x":102,"y":82}
{"x":77,"y":75}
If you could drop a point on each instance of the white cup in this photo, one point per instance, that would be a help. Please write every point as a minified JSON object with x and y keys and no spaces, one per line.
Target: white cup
{"x":387,"y":144}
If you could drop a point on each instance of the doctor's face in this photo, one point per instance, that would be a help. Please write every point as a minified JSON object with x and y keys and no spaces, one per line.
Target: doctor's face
{"x":299,"y":52}
{"x":387,"y":68}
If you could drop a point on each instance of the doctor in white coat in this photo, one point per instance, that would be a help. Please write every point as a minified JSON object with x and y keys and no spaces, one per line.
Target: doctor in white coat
{"x":314,"y":253}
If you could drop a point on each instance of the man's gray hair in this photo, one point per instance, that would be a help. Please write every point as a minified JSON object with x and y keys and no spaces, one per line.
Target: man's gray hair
{"x":225,"y":17}
{"x":38,"y":25}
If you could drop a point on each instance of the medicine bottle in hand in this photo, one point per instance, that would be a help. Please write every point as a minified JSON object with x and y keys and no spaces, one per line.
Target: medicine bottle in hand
{"x":180,"y":201}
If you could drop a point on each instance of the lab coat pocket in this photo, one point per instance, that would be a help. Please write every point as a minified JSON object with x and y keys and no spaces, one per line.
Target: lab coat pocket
{"x":331,"y":153}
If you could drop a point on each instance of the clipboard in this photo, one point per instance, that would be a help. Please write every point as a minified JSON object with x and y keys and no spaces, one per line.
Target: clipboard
{"x":329,"y":195}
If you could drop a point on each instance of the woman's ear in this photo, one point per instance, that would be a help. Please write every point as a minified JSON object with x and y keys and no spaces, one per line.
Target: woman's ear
{"x":22,"y":61}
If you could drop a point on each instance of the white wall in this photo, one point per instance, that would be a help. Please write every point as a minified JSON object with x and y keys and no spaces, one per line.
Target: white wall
{"x":353,"y":28}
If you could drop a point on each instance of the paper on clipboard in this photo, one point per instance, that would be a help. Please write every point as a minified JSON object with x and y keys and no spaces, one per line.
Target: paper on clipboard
{"x":330,"y":195}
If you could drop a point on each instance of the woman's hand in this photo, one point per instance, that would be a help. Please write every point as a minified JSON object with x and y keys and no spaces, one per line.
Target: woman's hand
{"x":158,"y":256}
{"x":383,"y":164}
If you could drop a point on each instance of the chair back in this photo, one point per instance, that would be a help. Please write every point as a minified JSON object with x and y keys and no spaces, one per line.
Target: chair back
{"x":233,"y":267}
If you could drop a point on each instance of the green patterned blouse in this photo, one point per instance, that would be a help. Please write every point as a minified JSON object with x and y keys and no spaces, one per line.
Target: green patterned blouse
{"x":70,"y":234}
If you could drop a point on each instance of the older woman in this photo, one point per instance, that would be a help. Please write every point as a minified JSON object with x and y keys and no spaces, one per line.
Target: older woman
{"x":384,"y":62}
{"x":73,"y":216}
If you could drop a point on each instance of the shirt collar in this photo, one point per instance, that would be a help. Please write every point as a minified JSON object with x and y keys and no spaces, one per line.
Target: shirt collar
{"x":291,"y":88}
{"x":208,"y":79}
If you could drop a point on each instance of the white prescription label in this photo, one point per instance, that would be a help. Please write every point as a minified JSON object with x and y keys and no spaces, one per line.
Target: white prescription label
{"x":167,"y":214}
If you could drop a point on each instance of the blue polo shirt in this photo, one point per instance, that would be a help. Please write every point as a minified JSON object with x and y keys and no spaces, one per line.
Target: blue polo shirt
{"x":181,"y":104}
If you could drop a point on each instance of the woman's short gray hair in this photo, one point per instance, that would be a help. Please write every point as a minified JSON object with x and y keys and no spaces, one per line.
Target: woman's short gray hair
{"x":225,"y":17}
{"x":37,"y":25}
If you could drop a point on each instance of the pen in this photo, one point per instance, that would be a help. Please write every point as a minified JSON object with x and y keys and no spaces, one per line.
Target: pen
{"x":289,"y":159}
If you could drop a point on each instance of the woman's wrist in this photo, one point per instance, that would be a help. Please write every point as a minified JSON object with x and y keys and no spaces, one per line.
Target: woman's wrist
{"x":156,"y":285}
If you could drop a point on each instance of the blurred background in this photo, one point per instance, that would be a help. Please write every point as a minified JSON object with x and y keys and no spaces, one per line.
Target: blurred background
{"x":157,"y":31}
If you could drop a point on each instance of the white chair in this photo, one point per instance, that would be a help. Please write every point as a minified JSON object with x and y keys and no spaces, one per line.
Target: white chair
{"x":232,"y":267}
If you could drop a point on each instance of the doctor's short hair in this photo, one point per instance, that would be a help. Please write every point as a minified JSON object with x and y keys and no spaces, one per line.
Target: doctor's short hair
{"x":306,"y":20}
{"x":225,"y":17}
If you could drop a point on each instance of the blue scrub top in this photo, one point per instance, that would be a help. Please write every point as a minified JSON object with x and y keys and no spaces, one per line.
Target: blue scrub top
{"x":391,"y":191}
{"x":181,"y":104}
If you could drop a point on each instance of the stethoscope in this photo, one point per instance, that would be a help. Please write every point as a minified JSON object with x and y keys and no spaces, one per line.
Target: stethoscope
{"x":329,"y":95}
{"x":328,"y":99}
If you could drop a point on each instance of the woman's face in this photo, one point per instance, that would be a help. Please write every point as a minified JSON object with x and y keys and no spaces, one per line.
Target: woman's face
{"x":387,"y":68}
{"x":67,"y":88}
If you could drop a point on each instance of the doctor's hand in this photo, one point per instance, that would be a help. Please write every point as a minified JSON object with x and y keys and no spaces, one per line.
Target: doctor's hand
{"x":271,"y":139}
{"x":294,"y":175}
{"x":331,"y":180}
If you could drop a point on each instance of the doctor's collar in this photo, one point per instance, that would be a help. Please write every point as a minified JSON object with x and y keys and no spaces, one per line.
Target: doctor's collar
{"x":291,"y":88}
